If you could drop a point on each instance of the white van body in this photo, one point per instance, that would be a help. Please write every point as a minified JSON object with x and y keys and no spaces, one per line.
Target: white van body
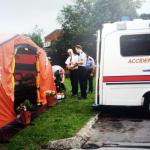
{"x":123,"y":63}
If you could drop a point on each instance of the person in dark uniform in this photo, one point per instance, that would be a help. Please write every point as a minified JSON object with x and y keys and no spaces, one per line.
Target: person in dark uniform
{"x":82,"y":71}
{"x":90,"y":68}
{"x":73,"y":70}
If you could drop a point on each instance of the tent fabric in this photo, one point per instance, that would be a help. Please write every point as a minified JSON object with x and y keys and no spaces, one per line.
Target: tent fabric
{"x":7,"y":55}
{"x":6,"y":37}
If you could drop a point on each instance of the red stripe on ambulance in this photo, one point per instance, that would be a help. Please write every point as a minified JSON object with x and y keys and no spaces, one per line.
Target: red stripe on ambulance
{"x":125,"y":78}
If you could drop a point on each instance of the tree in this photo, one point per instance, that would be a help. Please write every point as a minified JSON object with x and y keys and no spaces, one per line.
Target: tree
{"x":145,"y":16}
{"x":112,"y":10}
{"x":36,"y":35}
{"x":81,"y":21}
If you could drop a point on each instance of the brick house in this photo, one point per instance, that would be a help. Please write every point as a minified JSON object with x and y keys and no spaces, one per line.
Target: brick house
{"x":51,"y":37}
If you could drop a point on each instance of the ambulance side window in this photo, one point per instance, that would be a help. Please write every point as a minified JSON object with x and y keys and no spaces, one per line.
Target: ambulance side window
{"x":135,"y":45}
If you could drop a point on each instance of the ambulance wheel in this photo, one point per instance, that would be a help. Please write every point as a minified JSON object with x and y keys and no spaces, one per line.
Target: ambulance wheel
{"x":146,"y":107}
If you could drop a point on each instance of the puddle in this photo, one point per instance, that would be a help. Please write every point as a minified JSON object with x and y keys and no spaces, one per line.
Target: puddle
{"x":90,"y":146}
{"x":136,"y":120}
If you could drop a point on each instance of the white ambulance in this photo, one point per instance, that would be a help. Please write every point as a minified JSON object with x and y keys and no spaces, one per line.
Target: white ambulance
{"x":123,"y":64}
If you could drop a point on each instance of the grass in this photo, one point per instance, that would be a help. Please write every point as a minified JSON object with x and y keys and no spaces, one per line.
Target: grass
{"x":61,"y":121}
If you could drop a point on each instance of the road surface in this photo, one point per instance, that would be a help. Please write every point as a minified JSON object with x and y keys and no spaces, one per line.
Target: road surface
{"x":120,"y":127}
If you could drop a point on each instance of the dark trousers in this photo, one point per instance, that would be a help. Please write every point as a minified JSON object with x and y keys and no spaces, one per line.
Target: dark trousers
{"x":60,"y":87}
{"x":82,"y":81}
{"x":90,"y":80}
{"x":74,"y":81}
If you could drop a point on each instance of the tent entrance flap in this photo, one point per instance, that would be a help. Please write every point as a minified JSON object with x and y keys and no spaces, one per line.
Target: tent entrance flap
{"x":25,"y":74}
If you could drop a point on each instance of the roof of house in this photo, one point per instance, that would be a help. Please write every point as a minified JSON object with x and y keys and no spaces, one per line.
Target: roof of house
{"x":57,"y":30}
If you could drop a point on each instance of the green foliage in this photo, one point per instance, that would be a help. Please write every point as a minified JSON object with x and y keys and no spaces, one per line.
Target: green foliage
{"x":113,"y":10}
{"x":36,"y":35}
{"x":28,"y":105}
{"x":81,"y":21}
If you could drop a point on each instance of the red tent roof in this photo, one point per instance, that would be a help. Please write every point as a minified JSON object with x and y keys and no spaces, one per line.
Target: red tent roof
{"x":6,"y":37}
{"x":7,"y":56}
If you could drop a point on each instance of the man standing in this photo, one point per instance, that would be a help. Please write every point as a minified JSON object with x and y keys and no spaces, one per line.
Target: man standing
{"x":82,"y":71}
{"x":90,"y":67}
{"x":73,"y":69}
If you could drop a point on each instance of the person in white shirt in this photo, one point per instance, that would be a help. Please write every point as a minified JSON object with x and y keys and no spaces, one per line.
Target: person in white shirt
{"x":71,"y":64}
{"x":59,"y":77}
{"x":82,"y":71}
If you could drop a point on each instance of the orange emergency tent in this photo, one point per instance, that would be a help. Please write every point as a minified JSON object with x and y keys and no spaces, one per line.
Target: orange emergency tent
{"x":22,"y":63}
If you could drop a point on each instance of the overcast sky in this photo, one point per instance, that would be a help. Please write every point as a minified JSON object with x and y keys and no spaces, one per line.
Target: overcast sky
{"x":20,"y":16}
{"x":145,"y":7}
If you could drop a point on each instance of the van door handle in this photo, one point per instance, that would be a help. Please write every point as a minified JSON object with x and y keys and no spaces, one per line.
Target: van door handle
{"x":147,"y":70}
